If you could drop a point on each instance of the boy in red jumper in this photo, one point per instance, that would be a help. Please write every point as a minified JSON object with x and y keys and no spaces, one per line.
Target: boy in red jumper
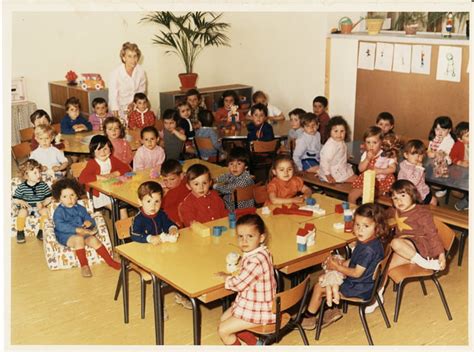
{"x":202,"y":204}
{"x":175,"y":188}
{"x":320,"y":105}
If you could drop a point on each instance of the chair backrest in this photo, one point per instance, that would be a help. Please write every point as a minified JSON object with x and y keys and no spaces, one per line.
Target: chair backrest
{"x":260,"y":194}
{"x":380,"y":272}
{"x":292,"y":143}
{"x":21,"y":151}
{"x":26,"y":134}
{"x":76,"y":168}
{"x":56,"y":127}
{"x":205,"y":143}
{"x":290,"y":297}
{"x":265,"y":147}
{"x":243,"y":193}
{"x":445,"y":233}
{"x":123,"y":228}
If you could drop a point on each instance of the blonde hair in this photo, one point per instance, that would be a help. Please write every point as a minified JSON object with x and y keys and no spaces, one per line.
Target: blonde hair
{"x":131,"y":47}
{"x":44,"y":129}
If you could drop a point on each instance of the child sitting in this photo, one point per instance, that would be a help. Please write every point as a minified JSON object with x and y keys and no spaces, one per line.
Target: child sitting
{"x":238,"y":176}
{"x":184,"y":122}
{"x":101,"y":166}
{"x":150,"y":154}
{"x":74,"y":227}
{"x":50,"y":157}
{"x":31,"y":197}
{"x":74,"y":122}
{"x":460,"y":156}
{"x":254,"y":283}
{"x":331,"y":280}
{"x":284,"y":187}
{"x":100,"y":113}
{"x":228,"y":111}
{"x":173,"y":137}
{"x":334,"y":166}
{"x":274,"y":114}
{"x":202,"y":204}
{"x":295,"y":122}
{"x":41,"y":117}
{"x":369,"y":226}
{"x":386,"y":122}
{"x":412,"y":169}
{"x":206,"y":130}
{"x":308,"y":145}
{"x":194,"y":100}
{"x":141,"y":116}
{"x":115,"y":132}
{"x":259,"y":129}
{"x":320,"y":105}
{"x":175,"y":188}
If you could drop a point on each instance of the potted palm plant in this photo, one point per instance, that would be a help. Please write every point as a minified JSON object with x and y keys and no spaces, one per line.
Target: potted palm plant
{"x":410,"y":21}
{"x":186,"y":36}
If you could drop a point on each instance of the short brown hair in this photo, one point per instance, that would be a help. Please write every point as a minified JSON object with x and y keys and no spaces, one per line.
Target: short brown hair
{"x":414,"y":146}
{"x":197,"y":170}
{"x":405,"y":186}
{"x":372,"y":131}
{"x":113,"y":119}
{"x":171,"y":166}
{"x":38,"y":114}
{"x":131,"y":47}
{"x":72,"y":101}
{"x":377,"y":214}
{"x":148,"y":188}
{"x":307,"y":118}
{"x":29,"y":165}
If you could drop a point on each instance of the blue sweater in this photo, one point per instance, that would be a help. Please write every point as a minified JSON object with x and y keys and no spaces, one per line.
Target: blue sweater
{"x":144,"y":225}
{"x":67,"y":123}
{"x":265,"y":130}
{"x":67,"y":220}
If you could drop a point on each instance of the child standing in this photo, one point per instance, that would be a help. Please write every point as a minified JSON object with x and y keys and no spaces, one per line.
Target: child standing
{"x":175,"y":188}
{"x":100,"y":113}
{"x":31,"y":197}
{"x":141,"y":116}
{"x":259,"y":129}
{"x":334,"y":166}
{"x":460,"y":156}
{"x":238,"y":176}
{"x":47,"y":155}
{"x":206,"y":130}
{"x":41,"y":117}
{"x":274,"y":114}
{"x":255,"y":276}
{"x":115,"y":132}
{"x":228,"y":109}
{"x":101,"y":166}
{"x":284,"y":187}
{"x":308,"y":145}
{"x":74,"y":227}
{"x":320,"y":105}
{"x":74,"y":122}
{"x":173,"y":137}
{"x":386,"y":122}
{"x":412,"y":169}
{"x":150,"y":154}
{"x":202,"y":204}
{"x":369,"y":226}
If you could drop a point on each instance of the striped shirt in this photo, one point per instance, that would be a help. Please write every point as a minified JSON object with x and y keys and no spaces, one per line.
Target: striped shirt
{"x":32,"y":194}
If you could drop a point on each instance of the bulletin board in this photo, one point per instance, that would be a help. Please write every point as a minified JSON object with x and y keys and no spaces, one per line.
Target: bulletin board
{"x":415,"y":100}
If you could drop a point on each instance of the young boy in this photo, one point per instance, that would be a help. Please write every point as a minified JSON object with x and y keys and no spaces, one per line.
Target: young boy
{"x":31,"y":196}
{"x":295,"y":121}
{"x":202,"y":204}
{"x":205,"y":130}
{"x":175,"y":188}
{"x":194,"y":100}
{"x":320,"y":105}
{"x":47,"y":155}
{"x":460,"y":156}
{"x":238,"y":176}
{"x":259,"y":129}
{"x":308,"y":145}
{"x":386,"y":122}
{"x":74,"y":122}
{"x":149,"y":155}
{"x":173,"y":138}
{"x":100,"y":113}
{"x":41,"y":117}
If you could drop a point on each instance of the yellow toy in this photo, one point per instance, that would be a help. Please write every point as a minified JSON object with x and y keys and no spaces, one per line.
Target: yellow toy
{"x":368,"y":187}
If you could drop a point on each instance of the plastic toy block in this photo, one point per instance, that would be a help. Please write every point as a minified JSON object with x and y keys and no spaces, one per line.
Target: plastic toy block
{"x":129,"y":174}
{"x":315,"y":209}
{"x":348,"y":226}
{"x":345,"y":205}
{"x":338,"y":226}
{"x":368,"y":191}
{"x":339,"y":209}
{"x":266,"y":211}
{"x":200,"y":229}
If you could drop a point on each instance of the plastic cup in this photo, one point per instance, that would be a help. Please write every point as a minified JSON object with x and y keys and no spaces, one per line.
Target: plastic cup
{"x":217,"y":231}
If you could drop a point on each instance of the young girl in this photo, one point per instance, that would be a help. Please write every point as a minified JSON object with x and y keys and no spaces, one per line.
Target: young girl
{"x":255,"y":276}
{"x":284,"y":187}
{"x":173,"y":137}
{"x":101,"y":166}
{"x":372,"y":159}
{"x":97,"y":119}
{"x":412,"y":169}
{"x":333,"y":157}
{"x":141,"y":116}
{"x":369,"y":227}
{"x":184,"y":122}
{"x":228,"y":109}
{"x":115,"y":132}
{"x":31,"y":196}
{"x":295,"y":122}
{"x":150,"y":154}
{"x":74,"y":227}
{"x":460,"y":156}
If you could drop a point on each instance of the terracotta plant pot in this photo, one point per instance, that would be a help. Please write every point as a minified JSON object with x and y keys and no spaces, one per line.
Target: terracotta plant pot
{"x":410,"y":29}
{"x":188,"y":81}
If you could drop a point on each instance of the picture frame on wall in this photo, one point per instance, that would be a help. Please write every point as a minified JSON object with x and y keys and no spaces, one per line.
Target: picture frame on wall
{"x":18,"y":89}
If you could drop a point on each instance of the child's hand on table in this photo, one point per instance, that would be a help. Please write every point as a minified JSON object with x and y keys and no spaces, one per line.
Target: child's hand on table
{"x":155,"y":240}
{"x":222,"y":275}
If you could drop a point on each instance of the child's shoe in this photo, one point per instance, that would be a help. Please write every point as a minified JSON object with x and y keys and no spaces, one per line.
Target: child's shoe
{"x":433,"y":264}
{"x":462,"y":204}
{"x":20,"y":237}
{"x":372,"y":307}
{"x":86,"y":271}
{"x":39,"y":235}
{"x":309,"y":323}
{"x":185,"y":302}
{"x":441,"y":193}
{"x":331,"y":316}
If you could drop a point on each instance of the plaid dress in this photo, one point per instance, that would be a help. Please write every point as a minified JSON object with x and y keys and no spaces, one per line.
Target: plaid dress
{"x":256,"y":287}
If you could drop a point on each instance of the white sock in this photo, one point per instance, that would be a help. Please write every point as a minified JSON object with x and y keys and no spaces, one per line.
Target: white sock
{"x":432,"y":264}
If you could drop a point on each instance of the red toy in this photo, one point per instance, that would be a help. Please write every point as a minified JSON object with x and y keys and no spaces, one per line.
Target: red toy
{"x":339,"y":209}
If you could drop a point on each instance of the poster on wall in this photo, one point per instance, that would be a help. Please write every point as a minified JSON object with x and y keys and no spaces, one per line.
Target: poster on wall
{"x":366,"y":56}
{"x":402,"y":58}
{"x":384,"y":57}
{"x":449,"y":64}
{"x":421,"y":59}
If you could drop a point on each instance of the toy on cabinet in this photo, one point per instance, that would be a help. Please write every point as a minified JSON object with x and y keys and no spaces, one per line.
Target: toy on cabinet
{"x":91,"y":81}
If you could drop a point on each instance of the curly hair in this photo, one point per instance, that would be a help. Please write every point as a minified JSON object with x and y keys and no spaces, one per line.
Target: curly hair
{"x":391,"y":145}
{"x":29,"y":165}
{"x":131,"y":47}
{"x":66,"y":183}
{"x":338,"y":121}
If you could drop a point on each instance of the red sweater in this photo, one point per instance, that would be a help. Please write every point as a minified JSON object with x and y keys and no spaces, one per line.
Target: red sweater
{"x":202,"y":209}
{"x":92,"y":169}
{"x":172,"y":200}
{"x":323,"y":122}
{"x":135,"y":119}
{"x":457,"y":152}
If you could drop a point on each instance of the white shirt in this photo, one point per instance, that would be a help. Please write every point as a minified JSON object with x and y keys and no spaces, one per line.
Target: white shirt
{"x":102,"y":200}
{"x":48,"y":157}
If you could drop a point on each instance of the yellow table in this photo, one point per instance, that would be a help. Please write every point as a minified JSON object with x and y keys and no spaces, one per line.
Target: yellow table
{"x":78,"y":143}
{"x":325,"y":224}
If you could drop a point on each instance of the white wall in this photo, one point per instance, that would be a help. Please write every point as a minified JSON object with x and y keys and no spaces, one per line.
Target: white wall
{"x":280,"y":53}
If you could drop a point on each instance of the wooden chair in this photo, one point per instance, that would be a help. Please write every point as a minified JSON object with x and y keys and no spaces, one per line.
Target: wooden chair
{"x":123,"y":232}
{"x":21,"y":151}
{"x":406,"y":272}
{"x":260,"y":194}
{"x":265,"y":147}
{"x":282,"y":302}
{"x":379,"y":278}
{"x":262,"y":155}
{"x":203,"y":143}
{"x":26,"y":134}
{"x":242,"y":194}
{"x":76,"y":168}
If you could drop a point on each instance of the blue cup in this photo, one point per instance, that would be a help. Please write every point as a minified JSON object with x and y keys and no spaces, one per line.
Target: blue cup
{"x":310,"y":201}
{"x":302,"y":247}
{"x":345,"y":205}
{"x":232,"y":224}
{"x":217,"y":231}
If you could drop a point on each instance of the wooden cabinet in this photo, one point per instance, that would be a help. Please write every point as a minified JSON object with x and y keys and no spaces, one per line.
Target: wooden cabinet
{"x":210,"y":95}
{"x":60,"y":91}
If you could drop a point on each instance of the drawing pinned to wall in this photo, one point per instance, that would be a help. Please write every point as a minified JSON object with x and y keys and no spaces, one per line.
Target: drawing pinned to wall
{"x":384,"y":57}
{"x":402,"y":58}
{"x":449,"y":64}
{"x":421,"y":59}
{"x":366,"y":56}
